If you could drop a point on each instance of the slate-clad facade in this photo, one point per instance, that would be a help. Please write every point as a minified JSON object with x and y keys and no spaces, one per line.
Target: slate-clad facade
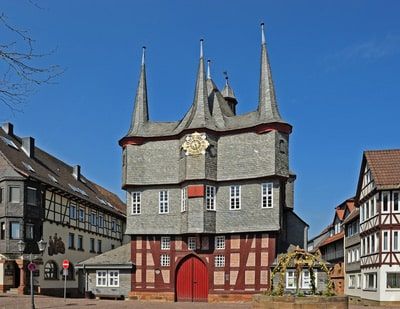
{"x":210,"y":197}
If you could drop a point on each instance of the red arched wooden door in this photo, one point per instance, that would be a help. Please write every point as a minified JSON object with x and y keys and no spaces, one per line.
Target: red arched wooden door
{"x":192,"y":280}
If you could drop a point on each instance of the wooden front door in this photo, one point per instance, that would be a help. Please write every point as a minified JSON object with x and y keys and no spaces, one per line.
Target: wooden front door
{"x":192,"y":280}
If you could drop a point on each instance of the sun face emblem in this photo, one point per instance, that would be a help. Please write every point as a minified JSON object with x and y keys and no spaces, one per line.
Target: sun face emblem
{"x":195,"y":144}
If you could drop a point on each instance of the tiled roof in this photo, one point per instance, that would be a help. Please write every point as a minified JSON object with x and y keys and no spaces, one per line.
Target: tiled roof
{"x":55,"y":173}
{"x":385,"y":167}
{"x":332,"y":239}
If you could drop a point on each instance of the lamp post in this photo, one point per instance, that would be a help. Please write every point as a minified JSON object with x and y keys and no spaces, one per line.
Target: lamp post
{"x":21,"y":248}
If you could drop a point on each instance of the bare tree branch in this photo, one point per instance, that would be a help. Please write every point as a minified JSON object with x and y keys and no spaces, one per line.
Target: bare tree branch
{"x":20,"y":69}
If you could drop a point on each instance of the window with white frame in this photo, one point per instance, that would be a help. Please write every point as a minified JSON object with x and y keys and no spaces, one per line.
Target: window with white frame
{"x":219,"y":261}
{"x":267,"y":195}
{"x":352,"y":281}
{"x":370,"y":281}
{"x":290,"y":279}
{"x":14,"y":195}
{"x":349,"y":256}
{"x":385,"y":201}
{"x":31,"y":196}
{"x":396,"y":202}
{"x":136,"y":202}
{"x":359,"y":281}
{"x":192,"y":243}
{"x":92,"y":218}
{"x":163,"y":202}
{"x":386,"y":240}
{"x":184,"y":199}
{"x":101,"y":278}
{"x":396,"y":241}
{"x":113,"y":278}
{"x":165,"y":260}
{"x":106,"y":278}
{"x":29,"y":231}
{"x":306,"y":279}
{"x":357,"y":254}
{"x":220,"y":242}
{"x":393,"y":280}
{"x":234,"y":197}
{"x":101,"y":221}
{"x":72,"y":211}
{"x":210,"y":198}
{"x":165,"y":243}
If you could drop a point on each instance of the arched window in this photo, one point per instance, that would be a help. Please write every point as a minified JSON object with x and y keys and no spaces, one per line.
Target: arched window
{"x":51,"y":270}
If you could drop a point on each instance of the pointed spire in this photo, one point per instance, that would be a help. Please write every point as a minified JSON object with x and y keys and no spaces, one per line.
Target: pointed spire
{"x":199,"y":115}
{"x":267,"y":105}
{"x":228,"y":94}
{"x":140,"y":114}
{"x":208,"y":69}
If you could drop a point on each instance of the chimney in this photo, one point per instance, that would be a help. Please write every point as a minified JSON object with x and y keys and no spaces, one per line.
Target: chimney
{"x":77,"y":172}
{"x":28,"y":146}
{"x":8,"y":128}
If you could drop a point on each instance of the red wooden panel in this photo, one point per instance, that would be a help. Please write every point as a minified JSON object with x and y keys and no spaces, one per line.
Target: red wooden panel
{"x":192,"y":280}
{"x":195,"y":191}
{"x":184,"y":291}
{"x":200,"y":281}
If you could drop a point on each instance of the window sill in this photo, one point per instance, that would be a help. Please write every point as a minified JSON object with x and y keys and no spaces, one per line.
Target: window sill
{"x":370,"y":290}
{"x":71,"y":248}
{"x":80,"y":249}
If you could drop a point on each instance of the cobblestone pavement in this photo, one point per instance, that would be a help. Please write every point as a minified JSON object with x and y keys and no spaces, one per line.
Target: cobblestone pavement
{"x":44,"y":302}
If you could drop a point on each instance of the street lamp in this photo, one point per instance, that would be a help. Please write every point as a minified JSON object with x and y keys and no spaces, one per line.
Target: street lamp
{"x":21,"y":248}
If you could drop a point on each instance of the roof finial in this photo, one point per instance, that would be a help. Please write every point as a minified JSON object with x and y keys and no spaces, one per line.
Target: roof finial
{"x":226,"y":78}
{"x":262,"y":34}
{"x":208,"y":69}
{"x":143,"y":54}
{"x":201,"y":48}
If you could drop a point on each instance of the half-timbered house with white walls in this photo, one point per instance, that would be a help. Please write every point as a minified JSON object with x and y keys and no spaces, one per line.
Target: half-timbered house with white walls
{"x":41,"y":197}
{"x":377,"y":197}
{"x":210,"y":197}
{"x":332,"y":248}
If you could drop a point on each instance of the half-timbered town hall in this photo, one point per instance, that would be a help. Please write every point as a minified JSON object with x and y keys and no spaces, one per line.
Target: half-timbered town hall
{"x":210,"y":197}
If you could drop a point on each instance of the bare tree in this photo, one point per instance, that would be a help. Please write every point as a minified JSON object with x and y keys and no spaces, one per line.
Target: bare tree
{"x":21,"y":68}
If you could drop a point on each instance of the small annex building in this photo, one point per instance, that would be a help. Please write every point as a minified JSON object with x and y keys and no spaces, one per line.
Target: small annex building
{"x":108,"y":274}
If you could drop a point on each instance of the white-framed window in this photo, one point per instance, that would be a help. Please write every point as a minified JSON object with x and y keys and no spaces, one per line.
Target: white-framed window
{"x":72,"y":211}
{"x":165,"y":260}
{"x":290,"y":279}
{"x":220,"y":242}
{"x":396,"y":201}
{"x":352,"y":281}
{"x":349,"y":256}
{"x":31,"y":196}
{"x":234,"y":197}
{"x":386,"y":240}
{"x":306,"y":279}
{"x":219,"y":261}
{"x":101,"y":221}
{"x":385,"y":202}
{"x":267,"y":195}
{"x":29,"y":231}
{"x":101,"y":278}
{"x":192,"y":243}
{"x":92,"y":218}
{"x":357,"y":254}
{"x":359,"y":281}
{"x":15,"y":229}
{"x":106,"y":278}
{"x":136,"y":202}
{"x":184,"y":199}
{"x":165,"y":243}
{"x":210,"y":197}
{"x":396,"y":241}
{"x":113,"y":278}
{"x":370,"y":281}
{"x":14,"y":195}
{"x":393,"y":280}
{"x":163,"y":202}
{"x":81,"y":215}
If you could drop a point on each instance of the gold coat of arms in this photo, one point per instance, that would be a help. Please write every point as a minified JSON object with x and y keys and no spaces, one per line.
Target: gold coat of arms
{"x":195,"y":144}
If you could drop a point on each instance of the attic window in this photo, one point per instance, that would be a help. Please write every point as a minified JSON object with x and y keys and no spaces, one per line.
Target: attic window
{"x":78,"y":190}
{"x":53,"y":178}
{"x":101,"y":201}
{"x":28,"y":167}
{"x":9,"y":142}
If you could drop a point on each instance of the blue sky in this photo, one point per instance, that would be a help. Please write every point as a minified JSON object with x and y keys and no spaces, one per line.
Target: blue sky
{"x":335,"y":65}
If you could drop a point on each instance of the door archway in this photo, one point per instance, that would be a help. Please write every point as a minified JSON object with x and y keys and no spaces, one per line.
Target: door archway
{"x":191,"y":280}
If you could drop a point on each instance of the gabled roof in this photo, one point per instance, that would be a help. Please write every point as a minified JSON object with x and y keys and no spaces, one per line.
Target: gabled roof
{"x":116,"y":258}
{"x":332,"y":239}
{"x":385,"y":167}
{"x":50,"y":170}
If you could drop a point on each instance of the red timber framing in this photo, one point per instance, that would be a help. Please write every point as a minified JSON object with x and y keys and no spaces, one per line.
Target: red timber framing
{"x":248,"y":257}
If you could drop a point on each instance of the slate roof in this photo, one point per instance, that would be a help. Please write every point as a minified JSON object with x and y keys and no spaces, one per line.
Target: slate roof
{"x":354,"y":214}
{"x":120,"y":256}
{"x":57,"y":174}
{"x":385,"y":167}
{"x":332,"y":239}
